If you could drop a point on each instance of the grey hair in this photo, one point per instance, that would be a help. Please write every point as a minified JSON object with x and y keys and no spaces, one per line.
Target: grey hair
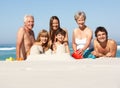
{"x":78,"y":14}
{"x":26,"y":16}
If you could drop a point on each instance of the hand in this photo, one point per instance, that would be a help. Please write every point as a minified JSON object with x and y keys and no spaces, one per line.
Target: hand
{"x":97,"y":54}
{"x":94,"y":53}
{"x":54,"y":47}
{"x":108,"y":55}
{"x":80,"y":51}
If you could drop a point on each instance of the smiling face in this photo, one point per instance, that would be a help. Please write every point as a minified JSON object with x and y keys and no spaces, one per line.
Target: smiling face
{"x":81,"y":21}
{"x":80,"y":18}
{"x":29,"y":22}
{"x":101,"y":36}
{"x":55,"y":24}
{"x":60,"y":37}
{"x":43,"y":39}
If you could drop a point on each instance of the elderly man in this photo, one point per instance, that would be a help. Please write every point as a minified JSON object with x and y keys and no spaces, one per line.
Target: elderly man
{"x":104,"y":47}
{"x":25,"y":38}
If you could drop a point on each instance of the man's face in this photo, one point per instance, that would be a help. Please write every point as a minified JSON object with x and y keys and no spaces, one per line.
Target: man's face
{"x":29,"y":23}
{"x":101,"y":36}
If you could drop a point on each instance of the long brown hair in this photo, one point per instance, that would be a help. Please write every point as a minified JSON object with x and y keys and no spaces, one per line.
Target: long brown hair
{"x":52,"y":32}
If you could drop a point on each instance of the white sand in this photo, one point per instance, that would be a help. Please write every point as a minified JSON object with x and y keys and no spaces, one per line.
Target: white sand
{"x":39,"y":72}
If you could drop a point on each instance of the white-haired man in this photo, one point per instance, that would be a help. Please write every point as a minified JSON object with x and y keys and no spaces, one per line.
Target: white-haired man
{"x":25,"y":38}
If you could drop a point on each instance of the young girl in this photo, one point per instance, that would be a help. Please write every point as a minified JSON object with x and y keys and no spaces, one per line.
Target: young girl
{"x":59,"y":46}
{"x":42,"y":43}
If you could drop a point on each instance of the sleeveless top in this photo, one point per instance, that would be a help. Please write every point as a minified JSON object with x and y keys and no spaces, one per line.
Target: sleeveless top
{"x":60,"y":49}
{"x":80,"y":43}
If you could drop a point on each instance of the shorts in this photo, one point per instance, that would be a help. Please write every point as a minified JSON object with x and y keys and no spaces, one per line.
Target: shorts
{"x":88,"y":54}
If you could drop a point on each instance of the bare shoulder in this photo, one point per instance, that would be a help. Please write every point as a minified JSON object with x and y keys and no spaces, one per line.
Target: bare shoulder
{"x":88,"y":29}
{"x":75,"y":30}
{"x":112,"y":42}
{"x":21,"y":30}
{"x":20,"y":35}
{"x":95,"y":41}
{"x":65,"y":30}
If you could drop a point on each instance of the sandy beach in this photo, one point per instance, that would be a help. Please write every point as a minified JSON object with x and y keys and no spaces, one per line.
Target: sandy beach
{"x":60,"y":73}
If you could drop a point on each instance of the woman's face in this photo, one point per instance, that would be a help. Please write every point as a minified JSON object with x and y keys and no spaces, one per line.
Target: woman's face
{"x":101,"y":36}
{"x":43,"y":39}
{"x":55,"y":24}
{"x":80,"y":21}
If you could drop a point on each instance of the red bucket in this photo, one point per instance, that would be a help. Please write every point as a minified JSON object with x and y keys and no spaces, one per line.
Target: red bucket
{"x":76,"y":55}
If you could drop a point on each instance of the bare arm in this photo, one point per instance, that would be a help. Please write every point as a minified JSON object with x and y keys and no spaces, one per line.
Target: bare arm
{"x":54,"y":47}
{"x":89,"y":38}
{"x":66,"y":36}
{"x":67,"y":48}
{"x":113,"y":49}
{"x":20,"y":36}
{"x":74,"y":46}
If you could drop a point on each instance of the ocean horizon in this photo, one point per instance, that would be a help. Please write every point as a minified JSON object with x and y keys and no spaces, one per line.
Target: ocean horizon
{"x":9,"y":50}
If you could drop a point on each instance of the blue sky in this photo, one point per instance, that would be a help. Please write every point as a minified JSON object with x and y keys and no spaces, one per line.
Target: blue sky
{"x":99,"y":13}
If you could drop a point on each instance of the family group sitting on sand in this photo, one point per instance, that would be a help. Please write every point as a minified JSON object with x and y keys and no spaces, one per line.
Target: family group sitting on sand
{"x":56,"y":40}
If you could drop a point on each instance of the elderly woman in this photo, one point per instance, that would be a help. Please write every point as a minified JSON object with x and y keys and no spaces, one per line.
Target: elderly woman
{"x":82,"y":36}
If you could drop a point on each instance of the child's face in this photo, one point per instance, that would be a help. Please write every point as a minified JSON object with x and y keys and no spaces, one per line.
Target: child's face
{"x":60,"y":37}
{"x":43,"y":39}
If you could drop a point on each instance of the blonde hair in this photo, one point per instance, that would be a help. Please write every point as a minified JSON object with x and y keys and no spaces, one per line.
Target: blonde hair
{"x":78,"y":14}
{"x":44,"y":33}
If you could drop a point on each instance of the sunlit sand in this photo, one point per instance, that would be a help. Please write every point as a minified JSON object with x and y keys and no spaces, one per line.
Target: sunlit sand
{"x":60,"y":71}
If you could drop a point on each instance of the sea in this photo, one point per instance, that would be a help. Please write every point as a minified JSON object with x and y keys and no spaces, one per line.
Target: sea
{"x":9,"y":50}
